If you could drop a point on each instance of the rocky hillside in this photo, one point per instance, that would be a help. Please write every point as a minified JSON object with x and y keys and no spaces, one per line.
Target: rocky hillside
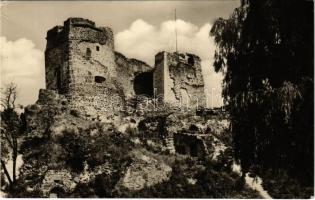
{"x":136,"y":153}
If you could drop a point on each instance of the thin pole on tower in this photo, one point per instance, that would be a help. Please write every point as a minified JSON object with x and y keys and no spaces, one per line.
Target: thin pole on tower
{"x":175,"y":32}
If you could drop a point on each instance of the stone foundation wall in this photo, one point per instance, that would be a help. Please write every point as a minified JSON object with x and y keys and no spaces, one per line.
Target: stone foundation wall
{"x":97,"y":101}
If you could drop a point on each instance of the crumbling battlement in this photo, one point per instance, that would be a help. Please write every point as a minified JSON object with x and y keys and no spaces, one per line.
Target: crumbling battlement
{"x":79,"y":29}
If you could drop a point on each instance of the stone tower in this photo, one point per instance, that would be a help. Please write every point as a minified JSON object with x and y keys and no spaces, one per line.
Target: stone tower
{"x":80,"y":64}
{"x":178,"y":79}
{"x":78,"y":52}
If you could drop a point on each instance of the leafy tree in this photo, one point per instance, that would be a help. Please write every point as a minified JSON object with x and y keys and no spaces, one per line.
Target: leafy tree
{"x":11,"y":129}
{"x":265,"y":51}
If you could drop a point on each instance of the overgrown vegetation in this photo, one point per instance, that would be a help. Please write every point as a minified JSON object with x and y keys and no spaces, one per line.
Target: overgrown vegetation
{"x":91,"y":146}
{"x":265,"y":51}
{"x":193,"y":178}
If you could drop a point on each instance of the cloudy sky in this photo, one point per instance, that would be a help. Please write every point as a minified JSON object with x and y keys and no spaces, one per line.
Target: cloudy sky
{"x":141,"y":28}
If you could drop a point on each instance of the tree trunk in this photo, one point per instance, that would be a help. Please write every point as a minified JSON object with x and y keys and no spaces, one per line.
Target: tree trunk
{"x":14,"y":167}
{"x":6,"y":172}
{"x":14,"y":159}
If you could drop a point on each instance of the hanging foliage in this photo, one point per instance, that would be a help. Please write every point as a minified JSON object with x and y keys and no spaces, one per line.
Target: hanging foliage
{"x":265,"y":51}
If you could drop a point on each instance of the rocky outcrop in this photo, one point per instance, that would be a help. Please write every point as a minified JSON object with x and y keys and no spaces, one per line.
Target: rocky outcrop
{"x":167,"y":132}
{"x":185,"y":133}
{"x":144,"y":153}
{"x":144,"y":171}
{"x":40,"y":116}
{"x":190,"y":144}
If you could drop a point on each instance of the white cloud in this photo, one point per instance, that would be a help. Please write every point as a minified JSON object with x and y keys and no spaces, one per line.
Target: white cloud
{"x":143,"y":40}
{"x":23,"y":64}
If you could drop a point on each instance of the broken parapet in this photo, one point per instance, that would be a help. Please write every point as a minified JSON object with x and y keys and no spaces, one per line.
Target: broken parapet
{"x":178,"y":79}
{"x":79,"y":29}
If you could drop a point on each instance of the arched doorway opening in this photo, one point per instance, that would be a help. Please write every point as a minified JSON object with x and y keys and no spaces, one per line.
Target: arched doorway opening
{"x":143,"y":84}
{"x":57,"y":192}
{"x":99,"y":79}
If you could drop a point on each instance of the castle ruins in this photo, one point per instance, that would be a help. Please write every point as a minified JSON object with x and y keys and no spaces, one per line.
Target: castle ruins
{"x":81,"y":64}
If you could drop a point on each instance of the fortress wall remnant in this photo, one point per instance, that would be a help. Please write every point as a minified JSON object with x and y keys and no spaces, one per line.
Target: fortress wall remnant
{"x":128,"y":70}
{"x":56,"y":60}
{"x":97,"y":101}
{"x":158,"y":74}
{"x":178,"y":78}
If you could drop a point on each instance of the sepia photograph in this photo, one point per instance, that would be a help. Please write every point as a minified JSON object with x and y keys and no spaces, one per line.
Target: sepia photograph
{"x":210,"y":99}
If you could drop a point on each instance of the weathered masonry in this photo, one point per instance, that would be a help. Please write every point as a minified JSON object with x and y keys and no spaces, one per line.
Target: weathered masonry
{"x":178,"y":79}
{"x":81,"y":64}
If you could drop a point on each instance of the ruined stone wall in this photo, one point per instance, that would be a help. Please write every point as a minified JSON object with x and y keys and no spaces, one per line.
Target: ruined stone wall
{"x":57,"y":179}
{"x":127,"y":70}
{"x":56,"y":60}
{"x":178,"y":77}
{"x":97,"y":101}
{"x":85,"y":67}
{"x":92,"y":49}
